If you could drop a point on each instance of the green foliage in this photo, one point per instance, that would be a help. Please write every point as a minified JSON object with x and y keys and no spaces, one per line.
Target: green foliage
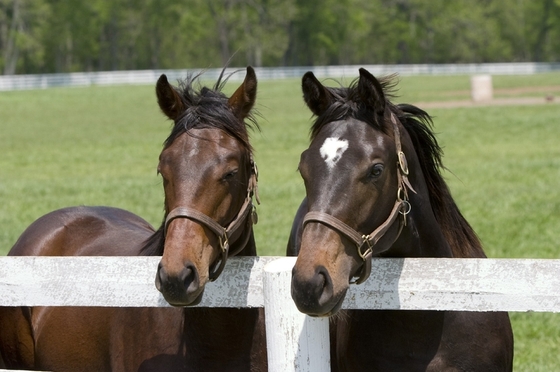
{"x":39,"y":36}
{"x":100,"y":145}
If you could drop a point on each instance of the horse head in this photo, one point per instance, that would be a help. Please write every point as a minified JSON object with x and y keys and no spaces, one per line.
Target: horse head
{"x":356,"y":179}
{"x":209,"y":179}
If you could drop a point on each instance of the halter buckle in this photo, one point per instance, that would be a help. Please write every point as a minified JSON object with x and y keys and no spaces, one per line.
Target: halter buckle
{"x":224,"y":242}
{"x":366,"y":257}
{"x":403,"y":163}
{"x":369,"y":250}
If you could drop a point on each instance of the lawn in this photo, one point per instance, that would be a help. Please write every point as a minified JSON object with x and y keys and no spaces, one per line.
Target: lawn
{"x":100,"y":146}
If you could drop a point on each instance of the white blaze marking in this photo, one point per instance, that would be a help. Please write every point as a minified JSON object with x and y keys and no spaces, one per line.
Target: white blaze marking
{"x":332,"y":150}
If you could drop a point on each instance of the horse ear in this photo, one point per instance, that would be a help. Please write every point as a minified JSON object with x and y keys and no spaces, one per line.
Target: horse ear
{"x":316,"y":95}
{"x":168,"y":99}
{"x":371,"y":91}
{"x":242,"y":101}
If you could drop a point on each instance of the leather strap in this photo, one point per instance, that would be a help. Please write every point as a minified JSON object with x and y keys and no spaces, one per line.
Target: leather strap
{"x":193,"y":214}
{"x":336,"y":224}
{"x":223,"y":233}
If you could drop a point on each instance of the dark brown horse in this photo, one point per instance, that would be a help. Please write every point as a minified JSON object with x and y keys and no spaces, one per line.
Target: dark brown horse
{"x":209,"y":180}
{"x":374,"y":189}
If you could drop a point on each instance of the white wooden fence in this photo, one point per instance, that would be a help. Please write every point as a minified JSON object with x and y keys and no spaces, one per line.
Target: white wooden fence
{"x":295,"y":342}
{"x":43,"y":81}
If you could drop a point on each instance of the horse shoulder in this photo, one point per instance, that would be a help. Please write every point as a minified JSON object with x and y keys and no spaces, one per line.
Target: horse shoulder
{"x":83,"y":231}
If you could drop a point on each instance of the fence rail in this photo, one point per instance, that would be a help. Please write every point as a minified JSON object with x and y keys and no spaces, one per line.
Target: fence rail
{"x":43,"y":81}
{"x":295,"y":342}
{"x":396,"y":284}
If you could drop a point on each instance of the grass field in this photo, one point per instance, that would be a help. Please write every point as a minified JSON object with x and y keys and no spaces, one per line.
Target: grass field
{"x":100,"y":145}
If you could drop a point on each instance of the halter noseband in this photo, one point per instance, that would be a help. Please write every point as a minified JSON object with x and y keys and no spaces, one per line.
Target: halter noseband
{"x":366,"y":243}
{"x":223,"y":233}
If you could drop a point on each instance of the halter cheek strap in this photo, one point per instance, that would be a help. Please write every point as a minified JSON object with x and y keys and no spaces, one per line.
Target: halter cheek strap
{"x":224,"y":234}
{"x":366,"y":243}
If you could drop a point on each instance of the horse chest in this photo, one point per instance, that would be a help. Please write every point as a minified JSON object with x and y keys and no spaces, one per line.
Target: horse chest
{"x":387,"y":340}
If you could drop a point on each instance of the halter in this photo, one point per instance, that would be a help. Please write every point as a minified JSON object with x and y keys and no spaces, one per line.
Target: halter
{"x":366,"y":243}
{"x":223,"y":233}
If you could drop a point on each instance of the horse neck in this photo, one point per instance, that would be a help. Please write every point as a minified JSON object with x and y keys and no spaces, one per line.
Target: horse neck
{"x":250,"y":248}
{"x":245,"y":245}
{"x":422,"y":236}
{"x":436,"y":227}
{"x":224,"y":336}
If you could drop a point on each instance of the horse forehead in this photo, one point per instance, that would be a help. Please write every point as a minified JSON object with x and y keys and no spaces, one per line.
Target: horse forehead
{"x":332,"y":149}
{"x":360,"y":141}
{"x":212,"y":143}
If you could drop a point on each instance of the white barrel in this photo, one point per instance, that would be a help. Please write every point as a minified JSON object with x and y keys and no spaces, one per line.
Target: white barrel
{"x":295,"y":341}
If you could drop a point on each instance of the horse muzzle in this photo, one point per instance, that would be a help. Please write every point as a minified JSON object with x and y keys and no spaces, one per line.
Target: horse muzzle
{"x":182,"y":288}
{"x":313,"y":292}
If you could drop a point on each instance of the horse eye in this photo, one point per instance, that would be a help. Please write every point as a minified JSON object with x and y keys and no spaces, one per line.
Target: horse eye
{"x":229,"y":175}
{"x":376,"y":170}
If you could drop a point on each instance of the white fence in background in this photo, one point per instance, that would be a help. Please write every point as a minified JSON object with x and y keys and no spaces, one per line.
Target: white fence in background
{"x":43,"y":81}
{"x":395,"y":284}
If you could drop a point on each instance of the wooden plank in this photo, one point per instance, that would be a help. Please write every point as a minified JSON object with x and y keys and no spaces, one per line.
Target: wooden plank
{"x":117,"y":282}
{"x":460,"y":284}
{"x":410,"y":284}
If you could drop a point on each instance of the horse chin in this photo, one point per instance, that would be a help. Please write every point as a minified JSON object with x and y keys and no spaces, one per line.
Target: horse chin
{"x":186,"y":301}
{"x":322,"y":309}
{"x":197,"y":300}
{"x":333,"y":311}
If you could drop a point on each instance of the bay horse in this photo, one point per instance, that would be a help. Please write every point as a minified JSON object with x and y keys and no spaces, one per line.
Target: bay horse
{"x":374,"y":189}
{"x":209,"y":181}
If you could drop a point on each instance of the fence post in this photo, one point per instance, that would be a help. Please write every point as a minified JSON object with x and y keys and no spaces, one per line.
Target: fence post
{"x":481,"y":88}
{"x":295,"y":342}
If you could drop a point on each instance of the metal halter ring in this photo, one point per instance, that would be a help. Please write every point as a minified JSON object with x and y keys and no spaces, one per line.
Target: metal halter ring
{"x":403,"y":163}
{"x":406,"y":208}
{"x":401,"y":195}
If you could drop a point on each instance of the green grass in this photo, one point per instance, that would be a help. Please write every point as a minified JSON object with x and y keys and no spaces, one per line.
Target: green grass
{"x":100,"y":145}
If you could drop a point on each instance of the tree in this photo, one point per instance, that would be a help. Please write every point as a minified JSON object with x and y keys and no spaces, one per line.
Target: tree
{"x":63,"y":36}
{"x":21,"y":23}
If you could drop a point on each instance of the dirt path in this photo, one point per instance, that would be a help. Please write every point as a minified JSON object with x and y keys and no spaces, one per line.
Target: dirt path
{"x":517,"y":101}
{"x":550,"y":95}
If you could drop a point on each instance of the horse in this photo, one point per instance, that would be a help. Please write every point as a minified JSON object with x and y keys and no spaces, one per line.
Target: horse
{"x":372,"y":175}
{"x":209,"y":181}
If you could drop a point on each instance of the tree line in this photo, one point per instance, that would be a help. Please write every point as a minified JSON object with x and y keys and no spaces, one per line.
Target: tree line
{"x":46,"y":36}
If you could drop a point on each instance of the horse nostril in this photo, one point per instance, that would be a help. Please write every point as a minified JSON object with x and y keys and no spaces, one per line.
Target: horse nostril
{"x":189,"y":278}
{"x":313,"y":294}
{"x":161,"y":277}
{"x":324,"y":286}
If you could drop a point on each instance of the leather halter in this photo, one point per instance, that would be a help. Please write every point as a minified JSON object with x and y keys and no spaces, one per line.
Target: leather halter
{"x":366,"y":243}
{"x":223,"y":233}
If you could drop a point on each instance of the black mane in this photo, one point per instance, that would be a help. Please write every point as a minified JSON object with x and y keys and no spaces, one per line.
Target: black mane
{"x":349,"y":104}
{"x":208,"y":108}
{"x":459,"y":234}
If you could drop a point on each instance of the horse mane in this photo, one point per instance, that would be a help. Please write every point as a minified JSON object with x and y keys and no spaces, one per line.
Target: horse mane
{"x":347,"y":103}
{"x":457,"y":231}
{"x":206,"y":108}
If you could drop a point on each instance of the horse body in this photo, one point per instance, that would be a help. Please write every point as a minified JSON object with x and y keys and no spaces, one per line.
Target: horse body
{"x":373,"y":166}
{"x":207,"y":168}
{"x":65,"y":338}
